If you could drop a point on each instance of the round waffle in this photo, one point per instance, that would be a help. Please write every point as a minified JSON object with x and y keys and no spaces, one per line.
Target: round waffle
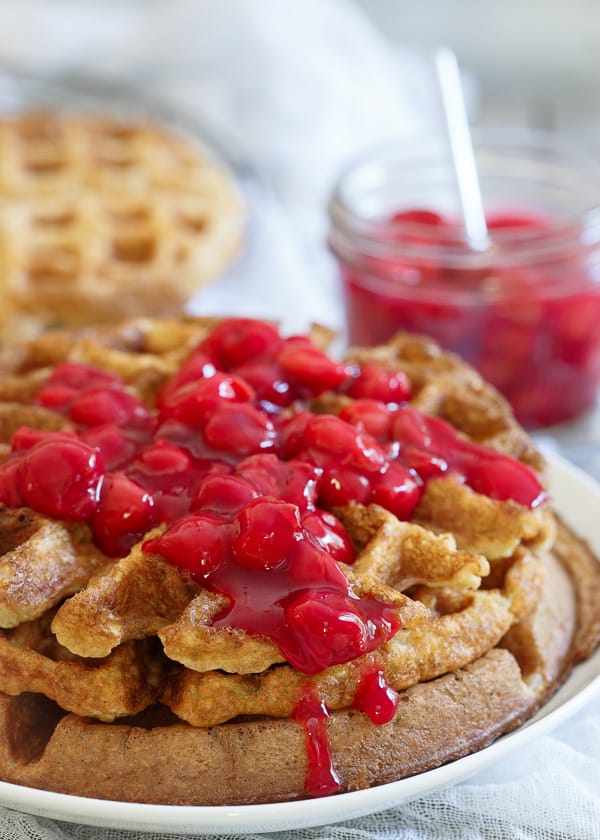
{"x":101,"y":219}
{"x":123,"y":674}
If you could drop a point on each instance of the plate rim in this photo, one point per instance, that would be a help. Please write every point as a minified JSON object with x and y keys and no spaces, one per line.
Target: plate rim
{"x":582,"y":684}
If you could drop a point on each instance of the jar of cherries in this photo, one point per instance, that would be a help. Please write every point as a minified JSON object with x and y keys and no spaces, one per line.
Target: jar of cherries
{"x":525,"y":311}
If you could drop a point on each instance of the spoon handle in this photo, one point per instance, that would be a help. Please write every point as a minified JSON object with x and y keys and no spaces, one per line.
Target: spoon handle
{"x":461,"y":148}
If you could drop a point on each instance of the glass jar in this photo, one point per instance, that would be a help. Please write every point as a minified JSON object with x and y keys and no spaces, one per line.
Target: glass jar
{"x":526,"y":311}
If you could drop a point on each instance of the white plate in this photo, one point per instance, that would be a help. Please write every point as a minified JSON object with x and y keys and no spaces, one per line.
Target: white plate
{"x":578,"y":499}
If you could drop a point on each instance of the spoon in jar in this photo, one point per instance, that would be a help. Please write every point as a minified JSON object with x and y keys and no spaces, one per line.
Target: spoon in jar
{"x":461,"y":150}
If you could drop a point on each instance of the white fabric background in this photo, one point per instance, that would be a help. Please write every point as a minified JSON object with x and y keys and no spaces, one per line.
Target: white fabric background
{"x":293,"y":90}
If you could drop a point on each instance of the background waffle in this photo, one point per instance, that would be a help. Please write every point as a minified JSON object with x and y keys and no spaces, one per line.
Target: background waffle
{"x":101,"y":219}
{"x":121,"y":654}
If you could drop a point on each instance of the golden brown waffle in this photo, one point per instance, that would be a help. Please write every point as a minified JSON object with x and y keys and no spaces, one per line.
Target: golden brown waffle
{"x":101,"y":219}
{"x":484,"y":638}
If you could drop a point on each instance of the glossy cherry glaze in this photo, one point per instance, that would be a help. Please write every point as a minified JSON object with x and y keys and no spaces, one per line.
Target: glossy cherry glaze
{"x":375,"y":697}
{"x":321,"y":776}
{"x":158,"y":465}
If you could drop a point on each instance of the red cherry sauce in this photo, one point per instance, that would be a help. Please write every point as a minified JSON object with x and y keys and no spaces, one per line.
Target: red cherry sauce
{"x":533,"y":332}
{"x":245,"y":489}
{"x":281,"y":581}
{"x":375,"y":697}
{"x":321,"y":776}
{"x":484,"y":470}
{"x":354,"y":466}
{"x":127,"y":468}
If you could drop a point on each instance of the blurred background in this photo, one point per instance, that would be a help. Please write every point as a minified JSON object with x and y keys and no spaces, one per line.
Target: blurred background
{"x":535,"y":61}
{"x":289,"y":93}
{"x":323,"y":65}
{"x":532,"y":61}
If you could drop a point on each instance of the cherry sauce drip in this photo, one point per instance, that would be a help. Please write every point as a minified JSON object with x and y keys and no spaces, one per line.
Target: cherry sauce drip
{"x":321,"y":776}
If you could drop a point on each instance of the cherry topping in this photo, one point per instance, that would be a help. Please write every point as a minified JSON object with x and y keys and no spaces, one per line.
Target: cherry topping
{"x":224,"y":495}
{"x":418,"y":216}
{"x":422,"y":462}
{"x":270,"y":384}
{"x":310,"y":367}
{"x":198,"y":366}
{"x":355,"y":467}
{"x":266,"y":531}
{"x":374,"y":382}
{"x":115,"y":446}
{"x":291,"y":433}
{"x":237,"y":340}
{"x":60,"y":477}
{"x":500,"y":478}
{"x":292,"y":481}
{"x":194,"y":404}
{"x":375,"y":697}
{"x":327,"y":434}
{"x":371,"y":416}
{"x":267,"y":551}
{"x":56,"y":397}
{"x":97,"y":406}
{"x":330,"y":534}
{"x":398,"y":490}
{"x":312,"y":565}
{"x":196,"y":543}
{"x":25,"y":438}
{"x":326,"y":627}
{"x":171,"y":474}
{"x":239,"y":429}
{"x":321,"y":776}
{"x":374,"y":452}
{"x":80,"y":377}
{"x":482,"y":468}
{"x":68,"y":379}
{"x":412,"y":427}
{"x":164,"y":459}
{"x":342,"y":485}
{"x":10,"y":483}
{"x":124,"y":514}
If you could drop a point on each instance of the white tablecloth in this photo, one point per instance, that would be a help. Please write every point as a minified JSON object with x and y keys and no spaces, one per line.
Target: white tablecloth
{"x":293,"y":90}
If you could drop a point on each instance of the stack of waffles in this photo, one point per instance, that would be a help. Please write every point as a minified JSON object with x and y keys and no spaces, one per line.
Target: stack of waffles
{"x":101,"y":219}
{"x":235,"y":570}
